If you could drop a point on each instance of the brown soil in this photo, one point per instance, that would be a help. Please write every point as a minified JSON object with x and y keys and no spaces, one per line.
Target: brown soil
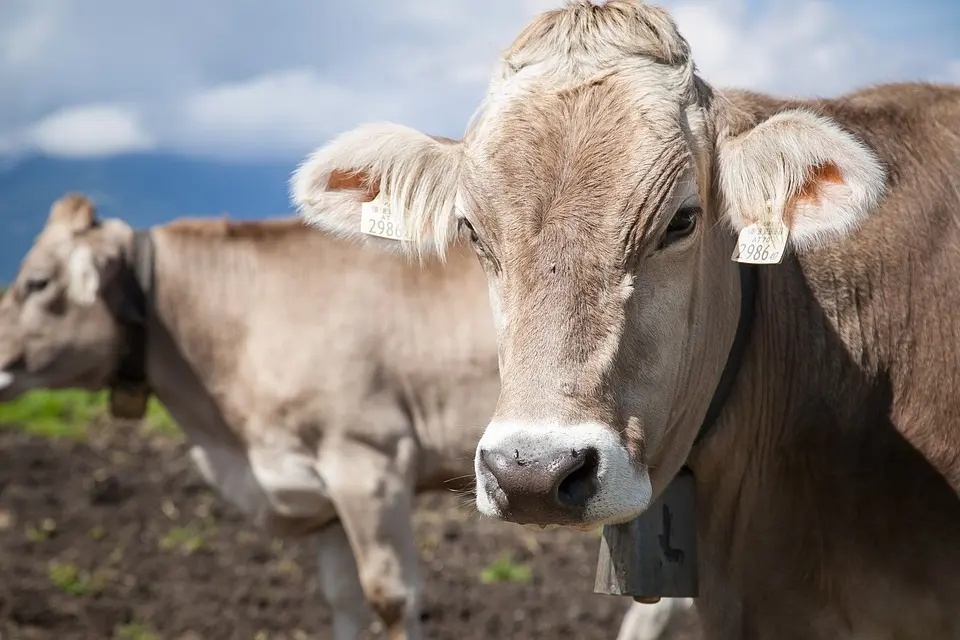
{"x":103,"y":538}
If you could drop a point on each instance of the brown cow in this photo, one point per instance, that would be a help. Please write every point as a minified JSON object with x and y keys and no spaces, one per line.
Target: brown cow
{"x":603,"y":184}
{"x":320,"y":386}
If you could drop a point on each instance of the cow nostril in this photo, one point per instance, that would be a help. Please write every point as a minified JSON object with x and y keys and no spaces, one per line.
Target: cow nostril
{"x":581,"y":483}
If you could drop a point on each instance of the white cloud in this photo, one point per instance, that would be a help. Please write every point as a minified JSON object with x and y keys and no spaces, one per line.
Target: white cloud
{"x":271,"y":114}
{"x":242,"y":77}
{"x":89,"y":131}
{"x":797,"y":48}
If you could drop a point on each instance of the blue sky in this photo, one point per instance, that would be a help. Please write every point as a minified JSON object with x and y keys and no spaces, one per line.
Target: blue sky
{"x":258,"y":79}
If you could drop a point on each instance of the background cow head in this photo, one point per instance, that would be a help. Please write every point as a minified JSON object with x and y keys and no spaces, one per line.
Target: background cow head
{"x":57,"y":328}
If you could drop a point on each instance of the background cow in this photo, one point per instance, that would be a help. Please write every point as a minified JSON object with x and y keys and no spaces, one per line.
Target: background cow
{"x":602,"y":185}
{"x":320,"y":386}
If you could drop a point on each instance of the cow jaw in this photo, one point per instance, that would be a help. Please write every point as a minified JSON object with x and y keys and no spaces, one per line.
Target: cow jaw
{"x":550,"y":474}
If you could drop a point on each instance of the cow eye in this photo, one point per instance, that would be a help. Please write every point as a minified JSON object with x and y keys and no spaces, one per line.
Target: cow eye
{"x":465,"y":224}
{"x":682,"y":224}
{"x":35,"y":285}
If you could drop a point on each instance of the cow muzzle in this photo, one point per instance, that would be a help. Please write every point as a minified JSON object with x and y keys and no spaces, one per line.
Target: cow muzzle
{"x":11,"y":377}
{"x":579,"y":475}
{"x":6,"y":385}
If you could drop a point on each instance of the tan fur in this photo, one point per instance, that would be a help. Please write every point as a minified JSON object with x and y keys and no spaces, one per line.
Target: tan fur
{"x":828,"y":490}
{"x":73,"y":210}
{"x":288,"y":351}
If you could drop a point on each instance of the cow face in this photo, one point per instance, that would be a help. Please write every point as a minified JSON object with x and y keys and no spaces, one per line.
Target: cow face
{"x":56,"y":326}
{"x":601,"y":185}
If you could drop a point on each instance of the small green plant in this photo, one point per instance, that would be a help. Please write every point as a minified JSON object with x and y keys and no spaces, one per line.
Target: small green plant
{"x":43,"y":531}
{"x":135,"y":631}
{"x":188,"y":539}
{"x":73,"y":580}
{"x":504,"y":569}
{"x":115,"y":556}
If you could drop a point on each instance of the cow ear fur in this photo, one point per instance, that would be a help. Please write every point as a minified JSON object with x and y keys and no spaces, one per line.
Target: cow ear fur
{"x":823,"y":180}
{"x":411,"y":172}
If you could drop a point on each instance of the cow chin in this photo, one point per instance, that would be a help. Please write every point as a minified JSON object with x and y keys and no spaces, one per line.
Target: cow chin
{"x":8,"y":390}
{"x":578,"y":476}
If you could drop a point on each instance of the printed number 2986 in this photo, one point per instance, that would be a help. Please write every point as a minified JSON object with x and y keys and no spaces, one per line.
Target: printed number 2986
{"x":380,"y":227}
{"x":757,"y":252}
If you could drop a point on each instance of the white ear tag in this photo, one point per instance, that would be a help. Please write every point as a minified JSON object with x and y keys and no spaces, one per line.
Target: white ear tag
{"x":376,"y":219}
{"x":763,"y":242}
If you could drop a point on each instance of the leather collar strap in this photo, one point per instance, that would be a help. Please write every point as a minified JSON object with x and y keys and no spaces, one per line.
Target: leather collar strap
{"x":748,"y":294}
{"x":129,"y":389}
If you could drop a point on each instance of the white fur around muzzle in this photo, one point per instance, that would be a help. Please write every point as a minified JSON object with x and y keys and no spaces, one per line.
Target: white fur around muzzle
{"x":624,"y":491}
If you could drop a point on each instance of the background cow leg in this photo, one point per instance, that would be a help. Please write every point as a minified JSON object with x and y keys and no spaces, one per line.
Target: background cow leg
{"x":652,"y":621}
{"x":374,"y":500}
{"x":340,"y":583}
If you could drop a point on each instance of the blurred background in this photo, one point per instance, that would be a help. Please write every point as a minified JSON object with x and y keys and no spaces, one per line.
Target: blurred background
{"x":187,"y":108}
{"x":163,"y":109}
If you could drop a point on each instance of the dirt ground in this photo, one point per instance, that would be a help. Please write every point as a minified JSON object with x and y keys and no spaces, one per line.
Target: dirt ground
{"x":119,"y":538}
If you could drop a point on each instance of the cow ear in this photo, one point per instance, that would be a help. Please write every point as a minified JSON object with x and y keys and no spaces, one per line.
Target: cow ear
{"x":73,"y":211}
{"x":412,"y":176}
{"x":822,"y":179}
{"x":83,"y":278}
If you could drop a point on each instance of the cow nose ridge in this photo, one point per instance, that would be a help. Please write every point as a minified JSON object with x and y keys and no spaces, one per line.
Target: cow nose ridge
{"x":551,"y":487}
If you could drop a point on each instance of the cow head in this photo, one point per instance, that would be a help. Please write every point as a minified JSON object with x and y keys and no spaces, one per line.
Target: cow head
{"x":602,"y":184}
{"x":56,"y":325}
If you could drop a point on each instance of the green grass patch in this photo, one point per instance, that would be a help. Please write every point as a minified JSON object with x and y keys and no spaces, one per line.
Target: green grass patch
{"x":159,"y":421}
{"x":53,"y":414}
{"x":68,"y":414}
{"x":504,"y":569}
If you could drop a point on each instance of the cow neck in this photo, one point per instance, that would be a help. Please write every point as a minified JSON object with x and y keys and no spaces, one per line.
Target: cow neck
{"x":129,"y":389}
{"x":748,"y":294}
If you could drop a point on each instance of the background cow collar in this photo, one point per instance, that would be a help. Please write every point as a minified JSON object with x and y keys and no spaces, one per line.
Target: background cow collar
{"x":129,"y":389}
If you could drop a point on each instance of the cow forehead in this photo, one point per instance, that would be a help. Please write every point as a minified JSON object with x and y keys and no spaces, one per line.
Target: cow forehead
{"x":51,"y":246}
{"x":48,"y":256}
{"x":42,"y":256}
{"x":574,"y":169}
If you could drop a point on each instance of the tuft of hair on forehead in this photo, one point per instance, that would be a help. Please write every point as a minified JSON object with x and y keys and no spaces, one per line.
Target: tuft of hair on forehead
{"x":587,"y":42}
{"x":584,"y":41}
{"x":602,"y":32}
{"x":73,"y":211}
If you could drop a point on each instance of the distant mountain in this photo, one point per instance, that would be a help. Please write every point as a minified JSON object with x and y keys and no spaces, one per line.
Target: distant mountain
{"x":143,"y":189}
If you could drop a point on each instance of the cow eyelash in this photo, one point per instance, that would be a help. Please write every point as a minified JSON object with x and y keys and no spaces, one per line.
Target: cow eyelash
{"x":465,"y":224}
{"x":682,"y":224}
{"x":479,"y":247}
